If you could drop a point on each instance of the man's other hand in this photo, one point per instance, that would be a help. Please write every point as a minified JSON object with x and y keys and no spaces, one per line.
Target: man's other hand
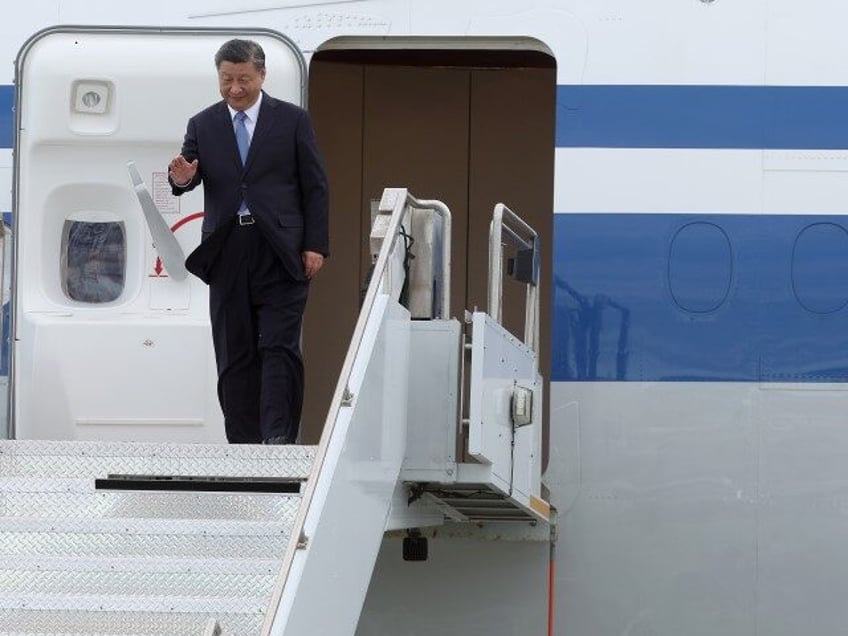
{"x":312,"y":262}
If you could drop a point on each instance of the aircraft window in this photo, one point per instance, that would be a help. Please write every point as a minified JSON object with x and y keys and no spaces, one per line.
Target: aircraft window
{"x":700,"y":267}
{"x":94,"y":256}
{"x":820,"y":267}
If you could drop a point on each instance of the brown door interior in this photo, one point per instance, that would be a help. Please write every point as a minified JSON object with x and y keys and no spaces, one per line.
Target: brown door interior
{"x":469,"y":128}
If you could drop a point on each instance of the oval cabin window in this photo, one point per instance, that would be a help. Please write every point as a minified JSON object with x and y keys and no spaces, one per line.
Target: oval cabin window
{"x":700,"y":267}
{"x":820,"y":268}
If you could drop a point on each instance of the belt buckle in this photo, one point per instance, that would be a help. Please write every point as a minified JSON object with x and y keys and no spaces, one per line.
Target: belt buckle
{"x":246,"y":219}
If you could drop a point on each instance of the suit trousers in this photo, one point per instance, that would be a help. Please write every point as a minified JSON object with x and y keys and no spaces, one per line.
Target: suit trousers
{"x":256,"y":311}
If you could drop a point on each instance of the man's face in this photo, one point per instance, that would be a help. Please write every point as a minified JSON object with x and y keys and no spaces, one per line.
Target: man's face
{"x":240,"y":84}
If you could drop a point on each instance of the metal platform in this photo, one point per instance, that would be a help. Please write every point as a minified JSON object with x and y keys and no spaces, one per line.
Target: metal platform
{"x":78,"y":557}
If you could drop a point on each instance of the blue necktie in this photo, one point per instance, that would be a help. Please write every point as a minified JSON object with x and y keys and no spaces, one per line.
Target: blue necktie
{"x":243,"y":142}
{"x":242,"y":139}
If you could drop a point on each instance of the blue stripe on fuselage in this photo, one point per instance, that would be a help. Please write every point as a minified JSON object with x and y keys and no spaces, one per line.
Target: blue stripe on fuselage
{"x":676,"y":297}
{"x":666,"y":116}
{"x":7,"y":115}
{"x":638,"y":116}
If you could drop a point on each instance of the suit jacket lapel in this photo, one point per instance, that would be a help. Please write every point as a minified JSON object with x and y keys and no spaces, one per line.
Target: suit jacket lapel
{"x":264,"y":123}
{"x":228,"y":133}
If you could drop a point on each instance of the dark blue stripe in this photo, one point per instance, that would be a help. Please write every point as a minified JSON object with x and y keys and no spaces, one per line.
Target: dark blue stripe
{"x":7,"y":116}
{"x":5,"y":334}
{"x":624,"y":116}
{"x":629,"y":116}
{"x":677,"y":297}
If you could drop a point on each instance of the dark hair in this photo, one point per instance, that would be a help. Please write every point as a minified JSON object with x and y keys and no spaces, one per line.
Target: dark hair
{"x":241,"y":51}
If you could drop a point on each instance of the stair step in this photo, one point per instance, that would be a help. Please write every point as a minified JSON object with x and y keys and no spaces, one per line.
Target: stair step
{"x":80,"y":556}
{"x":194,"y":605}
{"x":143,"y":577}
{"x":35,"y":458}
{"x":136,"y":564}
{"x":111,"y":632}
{"x":78,"y":498}
{"x":141,"y":537}
{"x":29,"y":622}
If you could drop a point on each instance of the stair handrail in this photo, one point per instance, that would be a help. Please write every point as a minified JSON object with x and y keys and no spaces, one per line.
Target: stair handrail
{"x":397,"y":202}
{"x":506,"y":223}
{"x":400,"y":202}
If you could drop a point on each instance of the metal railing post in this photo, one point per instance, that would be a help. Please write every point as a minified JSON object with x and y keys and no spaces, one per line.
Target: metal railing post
{"x":506,"y":224}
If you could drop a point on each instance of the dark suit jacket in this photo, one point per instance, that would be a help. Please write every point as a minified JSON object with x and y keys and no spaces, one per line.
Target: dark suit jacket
{"x":283,"y":182}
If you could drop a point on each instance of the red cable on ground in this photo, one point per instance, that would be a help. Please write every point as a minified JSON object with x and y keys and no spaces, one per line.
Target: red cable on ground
{"x":551,"y":583}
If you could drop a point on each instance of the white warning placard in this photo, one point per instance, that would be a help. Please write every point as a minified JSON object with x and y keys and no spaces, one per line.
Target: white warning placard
{"x":162,"y":197}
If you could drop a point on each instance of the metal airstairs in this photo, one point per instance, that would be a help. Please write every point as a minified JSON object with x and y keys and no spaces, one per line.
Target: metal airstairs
{"x":131,"y":539}
{"x":82,"y":554}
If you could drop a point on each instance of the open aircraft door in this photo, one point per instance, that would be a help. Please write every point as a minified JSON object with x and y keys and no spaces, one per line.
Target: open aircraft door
{"x":110,"y":336}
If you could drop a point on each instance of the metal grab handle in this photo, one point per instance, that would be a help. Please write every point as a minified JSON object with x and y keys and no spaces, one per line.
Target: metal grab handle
{"x":443,"y":211}
{"x":507,"y":224}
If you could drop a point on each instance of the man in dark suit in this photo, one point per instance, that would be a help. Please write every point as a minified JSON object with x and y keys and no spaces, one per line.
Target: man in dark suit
{"x":264,"y":236}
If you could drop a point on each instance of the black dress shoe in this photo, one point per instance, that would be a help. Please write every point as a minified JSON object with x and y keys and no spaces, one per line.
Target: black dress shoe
{"x":279,"y":439}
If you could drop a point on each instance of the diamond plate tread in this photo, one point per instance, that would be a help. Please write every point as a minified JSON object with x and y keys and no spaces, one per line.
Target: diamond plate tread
{"x":100,"y":459}
{"x":65,"y":582}
{"x":140,"y":564}
{"x":79,"y":499}
{"x":77,"y":561}
{"x":137,"y":604}
{"x":112,"y":632}
{"x":139,"y":537}
{"x":155,"y":527}
{"x":84,"y":623}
